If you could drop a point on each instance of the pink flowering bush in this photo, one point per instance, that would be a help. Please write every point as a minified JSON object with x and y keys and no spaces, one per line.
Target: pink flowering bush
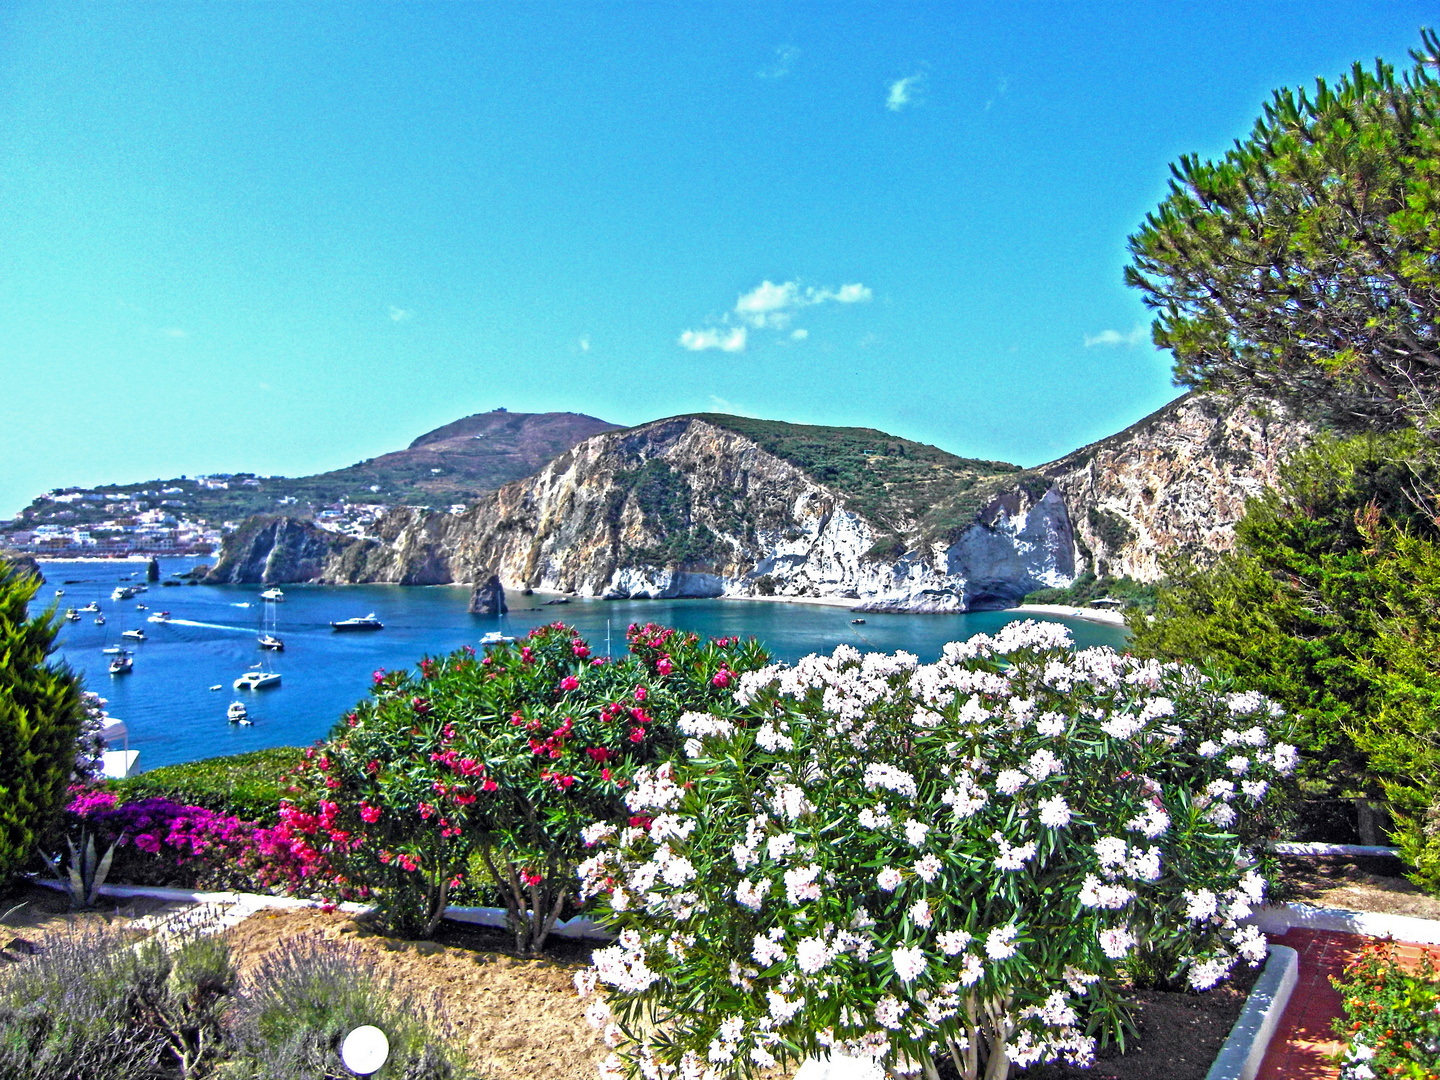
{"x":905,"y":862}
{"x":500,"y":760}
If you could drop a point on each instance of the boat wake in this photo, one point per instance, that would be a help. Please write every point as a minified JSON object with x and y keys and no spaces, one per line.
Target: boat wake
{"x":210,"y":625}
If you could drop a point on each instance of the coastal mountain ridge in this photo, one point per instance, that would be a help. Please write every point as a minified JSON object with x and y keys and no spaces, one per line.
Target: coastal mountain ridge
{"x":714,"y":505}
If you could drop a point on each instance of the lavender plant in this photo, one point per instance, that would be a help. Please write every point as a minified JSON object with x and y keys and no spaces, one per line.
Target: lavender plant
{"x":905,"y":862}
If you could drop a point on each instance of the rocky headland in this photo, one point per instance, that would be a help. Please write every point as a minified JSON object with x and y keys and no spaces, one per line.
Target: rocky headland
{"x":708,"y":506}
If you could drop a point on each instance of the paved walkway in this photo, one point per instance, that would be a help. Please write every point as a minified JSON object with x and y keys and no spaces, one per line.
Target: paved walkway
{"x":1305,"y":1041}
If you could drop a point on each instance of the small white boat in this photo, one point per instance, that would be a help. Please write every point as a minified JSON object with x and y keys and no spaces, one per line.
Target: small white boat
{"x":237,"y":713}
{"x":59,"y":592}
{"x":495,"y":637}
{"x":160,"y":617}
{"x":122,"y":664}
{"x":99,"y":620}
{"x":273,"y":594}
{"x":257,"y":680}
{"x":110,"y":650}
{"x":271,"y":642}
{"x":71,"y":615}
{"x":217,"y":686}
{"x":133,"y":635}
{"x":139,"y":607}
{"x":92,"y":606}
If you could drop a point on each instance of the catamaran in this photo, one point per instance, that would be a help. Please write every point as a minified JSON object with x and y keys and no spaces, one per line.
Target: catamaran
{"x":257,"y":680}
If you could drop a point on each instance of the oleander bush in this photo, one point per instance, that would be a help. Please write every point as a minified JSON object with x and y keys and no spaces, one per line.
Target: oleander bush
{"x":908,"y":862}
{"x":41,"y":712}
{"x":249,"y":786}
{"x":1392,"y":1015}
{"x":499,"y":761}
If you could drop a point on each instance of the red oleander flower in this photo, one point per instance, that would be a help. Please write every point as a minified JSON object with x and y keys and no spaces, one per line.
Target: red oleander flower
{"x":570,"y":682}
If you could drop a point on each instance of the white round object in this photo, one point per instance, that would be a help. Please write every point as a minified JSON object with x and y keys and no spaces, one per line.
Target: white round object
{"x":364,"y":1050}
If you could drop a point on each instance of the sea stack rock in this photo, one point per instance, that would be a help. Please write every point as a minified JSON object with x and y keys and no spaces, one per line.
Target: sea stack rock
{"x":152,"y":570}
{"x":488,"y":597}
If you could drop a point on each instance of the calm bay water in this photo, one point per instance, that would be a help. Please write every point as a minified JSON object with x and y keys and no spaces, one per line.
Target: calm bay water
{"x":174,"y":716}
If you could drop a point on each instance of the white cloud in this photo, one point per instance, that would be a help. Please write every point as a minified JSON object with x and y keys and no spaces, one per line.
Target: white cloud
{"x":400,"y":314}
{"x":799,"y":335}
{"x":785,"y":55}
{"x":854,"y":293}
{"x":173,"y":332}
{"x":584,"y":344}
{"x":1111,"y":338}
{"x":904,"y":92}
{"x":732,"y":340}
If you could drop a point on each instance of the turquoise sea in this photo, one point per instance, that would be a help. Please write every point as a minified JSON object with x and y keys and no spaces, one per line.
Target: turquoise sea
{"x":174,"y":716}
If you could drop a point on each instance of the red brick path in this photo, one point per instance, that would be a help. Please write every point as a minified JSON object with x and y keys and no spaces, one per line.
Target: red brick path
{"x":1304,"y":1040}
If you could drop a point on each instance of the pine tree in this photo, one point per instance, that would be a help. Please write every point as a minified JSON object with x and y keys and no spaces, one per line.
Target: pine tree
{"x":40,"y":714}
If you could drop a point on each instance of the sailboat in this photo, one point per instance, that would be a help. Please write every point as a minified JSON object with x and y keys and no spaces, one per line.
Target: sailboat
{"x":122,"y":664}
{"x":270,"y":623}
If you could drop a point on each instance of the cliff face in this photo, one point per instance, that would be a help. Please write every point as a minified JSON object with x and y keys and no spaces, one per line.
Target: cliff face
{"x":1174,"y":483}
{"x":694,"y":507}
{"x":686,"y":507}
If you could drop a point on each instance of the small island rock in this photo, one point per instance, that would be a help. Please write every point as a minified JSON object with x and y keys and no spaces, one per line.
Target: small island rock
{"x":488,"y":597}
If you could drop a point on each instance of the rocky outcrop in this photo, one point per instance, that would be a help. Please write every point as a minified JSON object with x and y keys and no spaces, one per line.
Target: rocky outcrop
{"x":275,"y":551}
{"x":21,"y":563}
{"x":1173,"y":484}
{"x":690,"y":507}
{"x":488,"y":597}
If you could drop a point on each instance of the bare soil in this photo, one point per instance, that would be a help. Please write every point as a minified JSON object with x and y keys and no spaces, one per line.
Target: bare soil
{"x":43,"y":913}
{"x":519,"y":1018}
{"x":1180,"y":1034}
{"x":1356,"y":884}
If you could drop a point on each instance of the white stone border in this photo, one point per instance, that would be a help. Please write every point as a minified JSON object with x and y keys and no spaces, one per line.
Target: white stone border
{"x":1244,"y":1050}
{"x":579,"y":927}
{"x":1291,"y":847}
{"x":1281,"y":917}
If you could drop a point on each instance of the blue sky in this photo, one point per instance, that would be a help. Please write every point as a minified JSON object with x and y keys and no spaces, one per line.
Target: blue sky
{"x":283,"y":237}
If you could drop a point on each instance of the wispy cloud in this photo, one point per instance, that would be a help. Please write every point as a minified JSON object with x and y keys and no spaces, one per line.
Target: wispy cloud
{"x":785,"y":56}
{"x":731,"y":340}
{"x":399,"y":314}
{"x":769,"y":306}
{"x":584,"y":344}
{"x":905,"y":92}
{"x":1112,"y":338}
{"x":1002,"y":87}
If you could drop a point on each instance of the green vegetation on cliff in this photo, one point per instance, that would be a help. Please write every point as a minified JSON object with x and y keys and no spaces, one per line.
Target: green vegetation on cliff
{"x":894,"y":483}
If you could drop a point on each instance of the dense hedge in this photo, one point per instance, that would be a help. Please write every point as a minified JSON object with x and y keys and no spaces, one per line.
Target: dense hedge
{"x":250,"y":786}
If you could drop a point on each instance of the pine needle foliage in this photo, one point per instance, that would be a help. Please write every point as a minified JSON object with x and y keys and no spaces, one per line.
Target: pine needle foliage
{"x":40,"y":718}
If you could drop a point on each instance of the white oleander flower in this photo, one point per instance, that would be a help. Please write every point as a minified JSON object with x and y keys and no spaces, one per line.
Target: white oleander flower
{"x":909,"y":963}
{"x":1000,"y":942}
{"x":1116,"y":942}
{"x":927,"y":869}
{"x":1055,"y":813}
{"x":888,"y":879}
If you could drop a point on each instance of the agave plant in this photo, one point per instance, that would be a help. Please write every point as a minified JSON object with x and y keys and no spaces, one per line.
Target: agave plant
{"x":85,"y":874}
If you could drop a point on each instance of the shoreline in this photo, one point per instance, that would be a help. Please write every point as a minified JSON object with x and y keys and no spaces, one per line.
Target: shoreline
{"x":1095,"y":615}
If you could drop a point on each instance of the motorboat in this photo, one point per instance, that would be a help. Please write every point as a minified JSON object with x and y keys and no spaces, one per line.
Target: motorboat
{"x":59,"y":592}
{"x":159,"y":617}
{"x":139,"y":607}
{"x":257,"y":680}
{"x":111,"y":650}
{"x":99,"y":620}
{"x":122,"y":664}
{"x":217,"y":686}
{"x":495,"y":637}
{"x":274,"y":595}
{"x":92,"y":607}
{"x":123,"y":592}
{"x":133,"y":635}
{"x":271,"y":642}
{"x":368,"y":622}
{"x":71,"y":615}
{"x":237,"y":713}
{"x":857,"y":622}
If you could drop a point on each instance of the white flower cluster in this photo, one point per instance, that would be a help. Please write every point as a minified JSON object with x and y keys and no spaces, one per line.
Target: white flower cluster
{"x":1011,"y":772}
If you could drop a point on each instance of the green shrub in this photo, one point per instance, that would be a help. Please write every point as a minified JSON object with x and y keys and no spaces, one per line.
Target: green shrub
{"x":250,"y":786}
{"x":1087,"y":587}
{"x":1392,"y":1016}
{"x":303,"y":1000}
{"x":40,"y":718}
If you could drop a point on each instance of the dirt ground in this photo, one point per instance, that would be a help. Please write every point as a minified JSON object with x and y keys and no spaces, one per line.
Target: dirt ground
{"x":520,"y":1018}
{"x":1180,"y":1034}
{"x":41,"y":913}
{"x":1358,"y":884}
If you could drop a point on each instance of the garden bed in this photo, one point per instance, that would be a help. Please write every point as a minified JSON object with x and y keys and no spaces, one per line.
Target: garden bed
{"x":1356,"y":884}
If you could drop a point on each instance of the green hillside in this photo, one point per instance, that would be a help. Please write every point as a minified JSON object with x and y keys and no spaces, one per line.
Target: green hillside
{"x":903,"y":486}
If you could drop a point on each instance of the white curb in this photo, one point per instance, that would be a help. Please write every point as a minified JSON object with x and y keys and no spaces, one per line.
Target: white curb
{"x":1281,"y":917}
{"x":579,"y":927}
{"x":1290,"y":847}
{"x":1241,"y":1055}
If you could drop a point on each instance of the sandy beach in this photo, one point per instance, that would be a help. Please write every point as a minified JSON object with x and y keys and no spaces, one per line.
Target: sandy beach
{"x":1099,"y":615}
